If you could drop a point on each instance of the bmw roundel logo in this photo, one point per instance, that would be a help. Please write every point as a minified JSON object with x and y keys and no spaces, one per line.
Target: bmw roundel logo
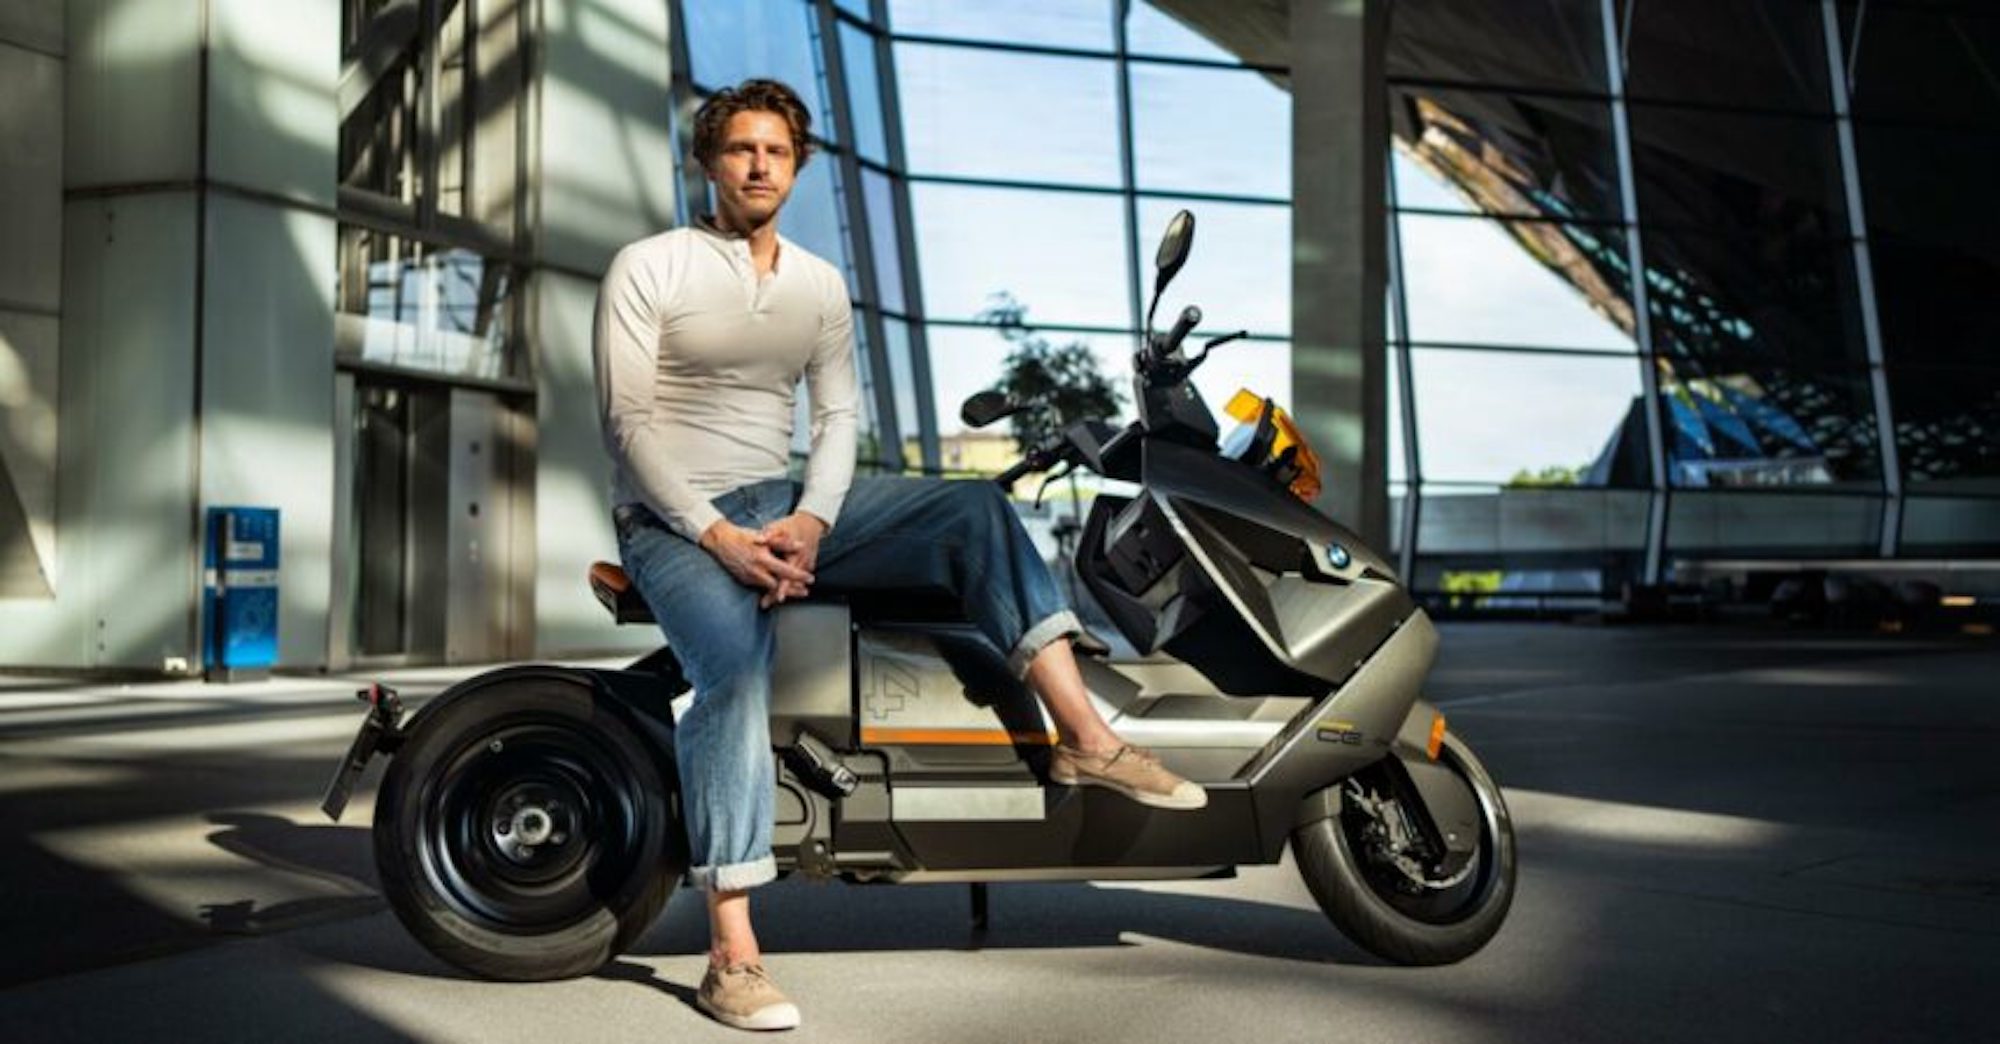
{"x":1337,"y":556}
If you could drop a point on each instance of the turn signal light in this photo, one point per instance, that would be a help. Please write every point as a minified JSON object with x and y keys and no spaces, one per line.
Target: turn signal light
{"x":1437,"y":737}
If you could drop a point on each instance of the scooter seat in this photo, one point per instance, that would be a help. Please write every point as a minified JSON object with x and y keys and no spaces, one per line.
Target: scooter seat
{"x":617,"y":593}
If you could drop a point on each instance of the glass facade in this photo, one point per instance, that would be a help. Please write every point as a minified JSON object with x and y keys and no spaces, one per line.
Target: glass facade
{"x":1648,"y":260}
{"x":1813,"y":321}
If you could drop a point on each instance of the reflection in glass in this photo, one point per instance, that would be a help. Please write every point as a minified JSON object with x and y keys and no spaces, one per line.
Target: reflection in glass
{"x":1083,"y":24}
{"x":1767,"y":175}
{"x":1728,"y":52}
{"x":1240,"y":272}
{"x":1555,"y":43}
{"x":1525,"y":419}
{"x":969,"y":112}
{"x":1720,"y":300}
{"x":1519,"y":155}
{"x":1222,"y":131}
{"x":1767,"y":426}
{"x":378,"y":137}
{"x":857,"y":53}
{"x":409,"y":304}
{"x":1060,"y":253}
{"x":1527,"y":283}
{"x":730,"y":41}
{"x":1948,"y":426}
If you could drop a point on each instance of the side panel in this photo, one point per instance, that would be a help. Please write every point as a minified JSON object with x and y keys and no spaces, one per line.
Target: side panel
{"x":812,"y":685}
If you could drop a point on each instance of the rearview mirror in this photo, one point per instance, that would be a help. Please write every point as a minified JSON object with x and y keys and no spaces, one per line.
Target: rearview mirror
{"x":1174,"y":247}
{"x":983,"y":408}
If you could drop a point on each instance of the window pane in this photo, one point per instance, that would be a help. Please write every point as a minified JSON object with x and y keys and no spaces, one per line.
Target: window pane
{"x":903,"y":383}
{"x":1727,"y":52}
{"x":1931,"y":65}
{"x":407,"y":303}
{"x":1055,"y":23}
{"x":812,"y":216}
{"x":1557,"y":43}
{"x":1489,"y":417}
{"x":965,"y":360}
{"x":1934,"y":238}
{"x":1505,"y":154}
{"x":1748,"y":297}
{"x":1948,"y":426}
{"x":730,"y":41}
{"x":994,"y":114}
{"x":1150,"y":31}
{"x":1529,"y":283}
{"x":1770,"y":427}
{"x":1735,"y":171}
{"x":864,"y":87}
{"x":1240,"y":270}
{"x":1060,"y":253}
{"x":1223,"y":131}
{"x":885,"y":244}
{"x":858,"y":8}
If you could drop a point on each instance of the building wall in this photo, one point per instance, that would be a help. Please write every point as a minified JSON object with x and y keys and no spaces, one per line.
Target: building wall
{"x":31,"y":75}
{"x":604,"y":176}
{"x":196,"y":356}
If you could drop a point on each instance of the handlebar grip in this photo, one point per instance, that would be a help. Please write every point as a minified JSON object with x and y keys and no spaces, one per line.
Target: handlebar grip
{"x":1190,"y":318}
{"x":1021,"y":467}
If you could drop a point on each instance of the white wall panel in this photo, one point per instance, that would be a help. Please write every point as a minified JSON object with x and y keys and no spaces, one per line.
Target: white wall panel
{"x":125,"y":544}
{"x":131,"y":91}
{"x":28,"y":436}
{"x":606,"y":157}
{"x":33,"y":23}
{"x":273,"y":121}
{"x":267,"y":396}
{"x":31,"y":183}
{"x":572,"y":480}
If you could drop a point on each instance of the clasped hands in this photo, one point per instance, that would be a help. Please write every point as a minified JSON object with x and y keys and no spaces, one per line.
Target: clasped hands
{"x":777,"y":560}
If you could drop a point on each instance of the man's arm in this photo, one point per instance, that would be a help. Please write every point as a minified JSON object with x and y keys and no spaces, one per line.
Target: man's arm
{"x":625,"y":346}
{"x":831,"y":385}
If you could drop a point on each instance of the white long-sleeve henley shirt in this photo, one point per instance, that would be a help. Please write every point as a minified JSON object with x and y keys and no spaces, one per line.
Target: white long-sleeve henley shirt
{"x":697,"y":361}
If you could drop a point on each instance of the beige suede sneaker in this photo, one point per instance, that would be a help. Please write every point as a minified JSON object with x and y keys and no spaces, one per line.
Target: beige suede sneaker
{"x":743,"y":996}
{"x":1132,"y":771}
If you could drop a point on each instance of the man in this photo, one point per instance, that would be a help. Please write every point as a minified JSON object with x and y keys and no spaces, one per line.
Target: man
{"x":701,"y":337}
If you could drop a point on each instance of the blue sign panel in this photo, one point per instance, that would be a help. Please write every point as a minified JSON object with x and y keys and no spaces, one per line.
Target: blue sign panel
{"x":240,"y":588}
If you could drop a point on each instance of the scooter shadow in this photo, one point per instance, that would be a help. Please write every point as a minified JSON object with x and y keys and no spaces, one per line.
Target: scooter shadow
{"x":803,"y":916}
{"x":797,"y":915}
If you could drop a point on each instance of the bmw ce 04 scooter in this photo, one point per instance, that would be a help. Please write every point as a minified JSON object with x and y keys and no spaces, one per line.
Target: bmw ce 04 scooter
{"x":527,"y":827}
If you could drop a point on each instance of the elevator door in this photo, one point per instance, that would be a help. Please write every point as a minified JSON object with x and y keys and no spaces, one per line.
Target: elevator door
{"x":434,"y":569}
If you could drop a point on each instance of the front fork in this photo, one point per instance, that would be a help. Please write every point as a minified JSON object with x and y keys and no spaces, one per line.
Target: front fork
{"x":1421,"y":801}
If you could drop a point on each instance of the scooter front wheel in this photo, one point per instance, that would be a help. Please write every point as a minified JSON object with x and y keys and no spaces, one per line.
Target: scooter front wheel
{"x":1396,"y":906}
{"x":522,"y":833}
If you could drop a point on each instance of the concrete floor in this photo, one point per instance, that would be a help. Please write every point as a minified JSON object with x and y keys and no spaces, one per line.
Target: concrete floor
{"x":1748,"y":835}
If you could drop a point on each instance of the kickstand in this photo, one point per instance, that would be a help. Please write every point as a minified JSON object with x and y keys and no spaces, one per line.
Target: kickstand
{"x":979,"y":919}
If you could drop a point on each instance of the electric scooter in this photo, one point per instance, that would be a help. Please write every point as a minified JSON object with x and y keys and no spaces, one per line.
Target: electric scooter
{"x":527,"y":824}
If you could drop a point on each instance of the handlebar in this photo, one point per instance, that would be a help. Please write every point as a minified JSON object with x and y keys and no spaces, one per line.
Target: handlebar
{"x":1166,"y":346}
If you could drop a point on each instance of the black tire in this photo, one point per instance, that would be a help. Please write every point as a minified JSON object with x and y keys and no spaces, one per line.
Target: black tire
{"x":538,"y":758}
{"x":1362,"y":899}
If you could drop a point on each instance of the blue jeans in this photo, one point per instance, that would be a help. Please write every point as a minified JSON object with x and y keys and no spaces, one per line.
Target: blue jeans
{"x":892,"y":532}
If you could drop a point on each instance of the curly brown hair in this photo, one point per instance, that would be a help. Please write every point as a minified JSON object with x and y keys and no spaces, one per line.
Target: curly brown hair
{"x":751,"y":96}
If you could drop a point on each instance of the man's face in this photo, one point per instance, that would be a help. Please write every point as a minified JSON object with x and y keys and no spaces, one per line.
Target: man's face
{"x":753,"y":169}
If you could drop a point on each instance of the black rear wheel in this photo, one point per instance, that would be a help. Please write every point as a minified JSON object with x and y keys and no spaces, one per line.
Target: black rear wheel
{"x":1385,"y":892}
{"x":522,"y":832}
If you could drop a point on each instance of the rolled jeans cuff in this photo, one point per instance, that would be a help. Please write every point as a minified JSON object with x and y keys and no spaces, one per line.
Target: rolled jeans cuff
{"x":734,"y":877}
{"x":1063,"y":624}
